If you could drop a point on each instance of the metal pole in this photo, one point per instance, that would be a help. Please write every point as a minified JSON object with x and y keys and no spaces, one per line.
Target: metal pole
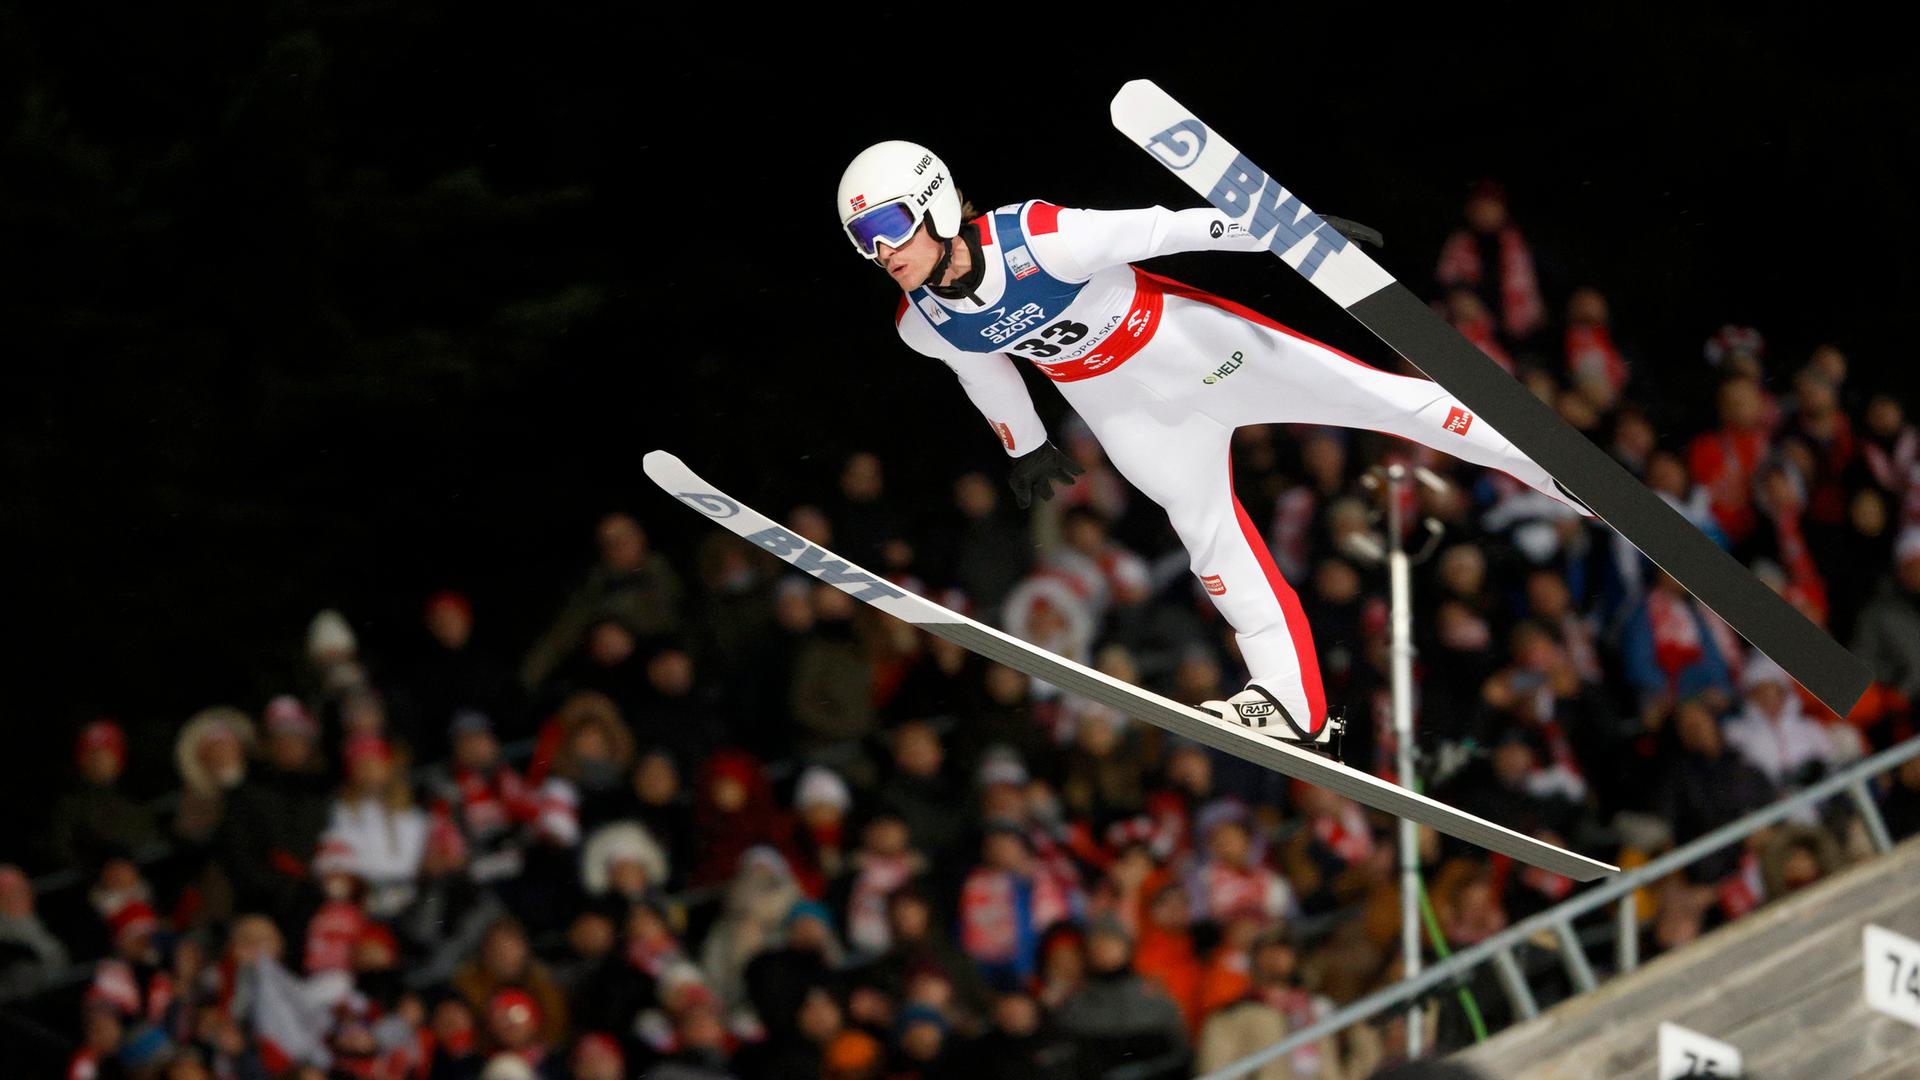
{"x":1626,"y":944}
{"x":1398,"y":478}
{"x":1870,"y":815}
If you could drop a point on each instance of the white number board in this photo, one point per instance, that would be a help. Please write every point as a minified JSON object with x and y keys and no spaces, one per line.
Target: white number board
{"x":1687,"y":1053}
{"x":1891,"y":966}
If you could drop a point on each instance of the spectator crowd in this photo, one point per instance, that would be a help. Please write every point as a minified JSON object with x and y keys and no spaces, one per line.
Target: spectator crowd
{"x":720,"y":820}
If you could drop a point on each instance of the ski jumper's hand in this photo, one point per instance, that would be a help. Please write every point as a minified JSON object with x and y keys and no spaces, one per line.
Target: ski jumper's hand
{"x":1039,"y":470}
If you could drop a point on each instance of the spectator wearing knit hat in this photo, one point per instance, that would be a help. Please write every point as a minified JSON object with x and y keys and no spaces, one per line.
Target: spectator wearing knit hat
{"x":1119,"y":1016}
{"x":506,"y":963}
{"x":807,"y":955}
{"x":921,"y":1044}
{"x":597,"y":1056}
{"x":1489,"y":256}
{"x":734,"y":811}
{"x":1231,"y":879}
{"x":452,"y":672}
{"x":486,"y":799}
{"x":275,"y":817}
{"x":1774,"y":735}
{"x":374,"y":814}
{"x":753,"y":918}
{"x":1726,"y":460}
{"x":822,"y":838}
{"x":514,"y":1026}
{"x":96,"y":820}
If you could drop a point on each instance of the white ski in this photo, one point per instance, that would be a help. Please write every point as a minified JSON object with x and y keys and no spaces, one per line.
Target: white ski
{"x":679,"y":481}
{"x":1243,"y":191}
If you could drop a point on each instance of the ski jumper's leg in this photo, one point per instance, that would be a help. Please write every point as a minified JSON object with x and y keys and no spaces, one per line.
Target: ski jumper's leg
{"x":1290,"y":378}
{"x":1179,"y":458}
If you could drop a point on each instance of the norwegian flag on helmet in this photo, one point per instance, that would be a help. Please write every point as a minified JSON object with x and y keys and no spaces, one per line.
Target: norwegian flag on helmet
{"x":859,"y":202}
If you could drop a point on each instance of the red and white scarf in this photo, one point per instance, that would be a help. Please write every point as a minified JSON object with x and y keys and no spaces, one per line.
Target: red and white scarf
{"x":1522,"y":311}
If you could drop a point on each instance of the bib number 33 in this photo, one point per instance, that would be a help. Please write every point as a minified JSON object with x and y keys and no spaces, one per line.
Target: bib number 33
{"x":1051,"y":340}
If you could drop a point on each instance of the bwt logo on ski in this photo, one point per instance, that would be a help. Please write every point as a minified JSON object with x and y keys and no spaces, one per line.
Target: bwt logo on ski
{"x":1275,"y":211}
{"x":1223,"y":371}
{"x":1458,"y":420}
{"x":1006,"y":326}
{"x":714,"y":506}
{"x":1180,"y":145}
{"x":814,"y":561}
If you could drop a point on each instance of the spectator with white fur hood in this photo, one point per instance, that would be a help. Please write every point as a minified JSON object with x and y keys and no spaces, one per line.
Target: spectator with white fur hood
{"x":1773,"y":734}
{"x":623,"y":860}
{"x":211,"y":753}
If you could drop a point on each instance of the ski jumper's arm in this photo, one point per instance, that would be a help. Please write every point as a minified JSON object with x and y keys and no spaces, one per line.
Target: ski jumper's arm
{"x":990,"y":380}
{"x":1074,"y":244}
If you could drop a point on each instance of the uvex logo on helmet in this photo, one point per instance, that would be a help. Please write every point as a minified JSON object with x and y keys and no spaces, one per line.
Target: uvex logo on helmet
{"x":938,"y":179}
{"x":925,"y":160}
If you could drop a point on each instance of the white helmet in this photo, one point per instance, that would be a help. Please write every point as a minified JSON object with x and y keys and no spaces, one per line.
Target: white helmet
{"x":889,"y":189}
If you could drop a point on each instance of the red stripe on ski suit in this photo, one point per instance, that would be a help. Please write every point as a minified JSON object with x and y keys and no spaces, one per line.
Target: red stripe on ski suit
{"x":1177,"y":288}
{"x":1296,"y":616}
{"x":1180,"y":288}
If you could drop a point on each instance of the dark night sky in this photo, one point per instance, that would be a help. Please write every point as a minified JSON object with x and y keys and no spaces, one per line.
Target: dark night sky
{"x":330,"y":304}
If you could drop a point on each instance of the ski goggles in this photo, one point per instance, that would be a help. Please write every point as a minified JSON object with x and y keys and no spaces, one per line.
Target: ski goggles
{"x":892,"y":222}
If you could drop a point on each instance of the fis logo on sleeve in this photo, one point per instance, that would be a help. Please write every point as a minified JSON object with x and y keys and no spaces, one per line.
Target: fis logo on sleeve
{"x":1213,"y":585}
{"x":1458,"y":420}
{"x":1021,"y":263}
{"x":934,"y":311}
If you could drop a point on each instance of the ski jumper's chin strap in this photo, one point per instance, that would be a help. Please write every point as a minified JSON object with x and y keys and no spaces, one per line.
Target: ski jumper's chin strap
{"x":963,"y":287}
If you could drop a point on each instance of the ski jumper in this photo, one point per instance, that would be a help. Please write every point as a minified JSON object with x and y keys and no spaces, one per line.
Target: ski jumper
{"x":1162,"y":373}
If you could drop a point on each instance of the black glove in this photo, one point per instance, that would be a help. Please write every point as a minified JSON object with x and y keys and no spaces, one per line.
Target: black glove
{"x":1040,"y":470}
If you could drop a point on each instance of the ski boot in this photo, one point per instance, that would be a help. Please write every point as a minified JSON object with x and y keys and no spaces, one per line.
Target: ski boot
{"x":1254,"y":707}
